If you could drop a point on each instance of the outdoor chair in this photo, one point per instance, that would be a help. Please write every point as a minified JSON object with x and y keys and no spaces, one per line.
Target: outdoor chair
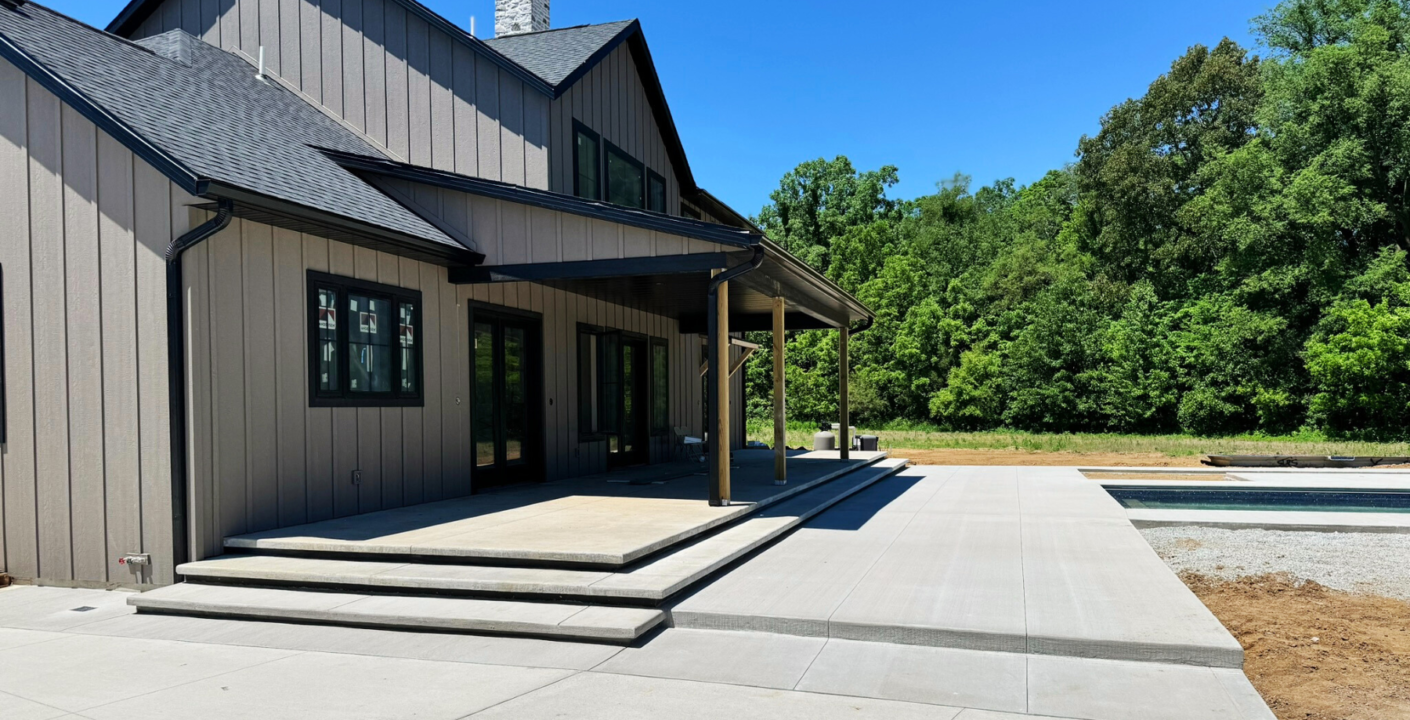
{"x":691,"y":447}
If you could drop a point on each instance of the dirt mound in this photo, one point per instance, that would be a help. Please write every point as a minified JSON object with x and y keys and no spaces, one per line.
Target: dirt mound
{"x":1316,"y":653}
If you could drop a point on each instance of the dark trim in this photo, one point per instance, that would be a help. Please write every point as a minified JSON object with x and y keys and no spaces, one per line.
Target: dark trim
{"x":107,"y":122}
{"x":709,"y":232}
{"x":354,"y":231}
{"x":137,"y":11}
{"x":176,"y":372}
{"x":503,"y":310}
{"x":344,"y":396}
{"x":655,"y":95}
{"x":658,"y":177}
{"x":717,"y":208}
{"x":595,"y":58}
{"x":13,"y":5}
{"x":610,"y":149}
{"x":536,"y":439}
{"x":810,"y":274}
{"x":579,"y":127}
{"x":590,"y":269}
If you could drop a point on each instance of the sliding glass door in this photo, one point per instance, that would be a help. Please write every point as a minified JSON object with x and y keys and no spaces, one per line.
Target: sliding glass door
{"x":505,"y":388}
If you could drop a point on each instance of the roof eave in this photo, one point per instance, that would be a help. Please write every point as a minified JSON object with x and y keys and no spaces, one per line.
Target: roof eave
{"x":695,"y":229}
{"x":153,"y":155}
{"x":396,"y":241}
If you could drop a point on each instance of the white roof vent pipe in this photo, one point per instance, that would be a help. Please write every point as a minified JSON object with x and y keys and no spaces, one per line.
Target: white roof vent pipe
{"x":260,"y":75}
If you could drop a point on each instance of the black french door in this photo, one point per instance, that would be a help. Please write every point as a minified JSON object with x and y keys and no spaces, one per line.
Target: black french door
{"x":627,"y":377}
{"x":506,"y":385}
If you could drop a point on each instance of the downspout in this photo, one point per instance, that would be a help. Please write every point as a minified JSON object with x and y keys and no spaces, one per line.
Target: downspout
{"x":176,"y":372}
{"x":717,"y":497}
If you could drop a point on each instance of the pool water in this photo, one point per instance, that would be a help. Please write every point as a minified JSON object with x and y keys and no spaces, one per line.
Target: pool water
{"x":1371,"y":501}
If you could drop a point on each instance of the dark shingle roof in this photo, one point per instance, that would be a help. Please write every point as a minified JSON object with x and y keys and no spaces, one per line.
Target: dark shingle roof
{"x":553,"y":55}
{"x":205,"y":109}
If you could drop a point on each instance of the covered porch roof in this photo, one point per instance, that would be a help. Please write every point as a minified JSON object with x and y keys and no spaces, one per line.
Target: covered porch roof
{"x":674,"y":285}
{"x":677,"y":286}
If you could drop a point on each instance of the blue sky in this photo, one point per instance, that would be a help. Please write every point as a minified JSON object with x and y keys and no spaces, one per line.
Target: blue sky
{"x":993,"y":90}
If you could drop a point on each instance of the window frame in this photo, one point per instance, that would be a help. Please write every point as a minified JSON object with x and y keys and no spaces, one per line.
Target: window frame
{"x":344,"y":396}
{"x":592,"y":388}
{"x":580,"y":128}
{"x":606,"y":177}
{"x":653,"y":176}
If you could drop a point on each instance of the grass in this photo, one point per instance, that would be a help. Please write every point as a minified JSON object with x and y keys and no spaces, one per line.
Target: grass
{"x":922,"y":437}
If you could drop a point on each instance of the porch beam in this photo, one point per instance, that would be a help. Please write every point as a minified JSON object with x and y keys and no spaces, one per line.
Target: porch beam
{"x":780,"y":428}
{"x":758,"y":322}
{"x":844,"y":440}
{"x":591,"y":269}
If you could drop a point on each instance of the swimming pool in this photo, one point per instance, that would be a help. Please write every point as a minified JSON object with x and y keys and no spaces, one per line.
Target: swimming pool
{"x":1303,"y":500}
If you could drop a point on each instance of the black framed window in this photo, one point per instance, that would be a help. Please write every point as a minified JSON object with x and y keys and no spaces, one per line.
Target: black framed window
{"x":587,"y":162}
{"x":365,"y":343}
{"x":626,"y":178}
{"x":655,"y":192}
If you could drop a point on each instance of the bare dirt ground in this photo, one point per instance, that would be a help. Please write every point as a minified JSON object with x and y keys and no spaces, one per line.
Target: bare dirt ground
{"x":978,"y":456}
{"x":1316,"y":653}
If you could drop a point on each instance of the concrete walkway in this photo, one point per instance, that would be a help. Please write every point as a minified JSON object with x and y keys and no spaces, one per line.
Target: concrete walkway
{"x":1015,"y":560}
{"x":83,"y":654}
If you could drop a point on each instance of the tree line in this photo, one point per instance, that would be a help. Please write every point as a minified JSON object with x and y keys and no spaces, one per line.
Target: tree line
{"x":1226,"y":255}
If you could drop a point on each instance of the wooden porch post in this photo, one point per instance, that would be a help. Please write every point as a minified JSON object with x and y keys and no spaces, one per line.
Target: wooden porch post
{"x":844,"y":440}
{"x":717,"y":340}
{"x":780,"y":429}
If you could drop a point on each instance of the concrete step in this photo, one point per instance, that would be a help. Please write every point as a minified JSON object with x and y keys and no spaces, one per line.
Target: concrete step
{"x":583,"y":524}
{"x":648,"y":582}
{"x":467,"y":615}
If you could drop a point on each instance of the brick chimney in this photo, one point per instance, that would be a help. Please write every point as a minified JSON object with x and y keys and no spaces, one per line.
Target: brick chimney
{"x":515,"y":17}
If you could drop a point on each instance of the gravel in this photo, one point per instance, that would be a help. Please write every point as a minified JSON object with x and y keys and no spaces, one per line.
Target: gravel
{"x":1375,"y":563}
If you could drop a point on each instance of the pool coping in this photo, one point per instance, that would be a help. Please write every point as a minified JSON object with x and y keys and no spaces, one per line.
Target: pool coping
{"x":1273,"y":520}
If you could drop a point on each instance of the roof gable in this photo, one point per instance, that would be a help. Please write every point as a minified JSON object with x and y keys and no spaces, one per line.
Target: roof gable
{"x":137,"y":11}
{"x":201,"y":117}
{"x":562,"y":57}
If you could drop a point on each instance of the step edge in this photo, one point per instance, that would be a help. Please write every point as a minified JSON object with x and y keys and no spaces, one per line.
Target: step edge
{"x":588,"y":591}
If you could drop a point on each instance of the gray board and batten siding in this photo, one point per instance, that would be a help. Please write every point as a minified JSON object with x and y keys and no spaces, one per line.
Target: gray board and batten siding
{"x":427,"y":97}
{"x":262,"y":458}
{"x":85,"y":469}
{"x":401,"y":83}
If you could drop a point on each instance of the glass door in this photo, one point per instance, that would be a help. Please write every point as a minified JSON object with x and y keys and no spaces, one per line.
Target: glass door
{"x":629,"y":383}
{"x":505,"y":390}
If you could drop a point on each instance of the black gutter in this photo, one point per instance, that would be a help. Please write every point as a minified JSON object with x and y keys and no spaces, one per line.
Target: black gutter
{"x":176,"y":372}
{"x":712,"y":342}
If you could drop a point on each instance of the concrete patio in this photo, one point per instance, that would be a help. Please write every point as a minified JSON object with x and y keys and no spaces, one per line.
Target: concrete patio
{"x":600,"y":520}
